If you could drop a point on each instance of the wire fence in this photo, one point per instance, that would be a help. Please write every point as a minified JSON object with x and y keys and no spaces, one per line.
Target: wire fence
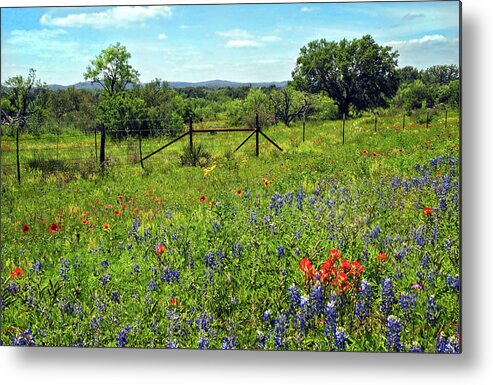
{"x":58,"y":152}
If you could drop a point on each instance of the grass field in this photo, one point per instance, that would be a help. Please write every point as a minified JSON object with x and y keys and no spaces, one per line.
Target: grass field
{"x":322,"y":246}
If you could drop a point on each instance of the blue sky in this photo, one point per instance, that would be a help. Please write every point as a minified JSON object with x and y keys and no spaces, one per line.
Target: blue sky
{"x":245,"y":43}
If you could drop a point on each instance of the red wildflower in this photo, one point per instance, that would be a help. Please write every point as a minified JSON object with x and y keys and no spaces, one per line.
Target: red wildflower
{"x":106,"y":227}
{"x":334,"y":254}
{"x":382,"y":257}
{"x":365,"y":152}
{"x":17,"y":273}
{"x":427,"y":211}
{"x":25,"y":229}
{"x":202,"y":199}
{"x":306,"y":267}
{"x":85,"y":221}
{"x":174,"y":302}
{"x":356,"y":268}
{"x":345,"y":266}
{"x":54,"y":228}
{"x":120,"y":196}
{"x":239,"y":193}
{"x":160,"y":249}
{"x":374,"y":154}
{"x":117,"y":212}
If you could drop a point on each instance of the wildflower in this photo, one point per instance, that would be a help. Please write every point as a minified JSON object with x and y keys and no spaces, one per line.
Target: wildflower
{"x":280,"y":329}
{"x":54,"y":228}
{"x":427,"y":211}
{"x":280,"y":251}
{"x":340,"y":339}
{"x":202,"y":199}
{"x":160,"y":249}
{"x":382,"y":257}
{"x":387,"y":296}
{"x":25,"y":229}
{"x":294,"y":299}
{"x":17,"y":273}
{"x":265,"y":182}
{"x":432,"y":311}
{"x":365,"y":152}
{"x":173,"y":301}
{"x":106,"y":227}
{"x":24,"y":339}
{"x":417,"y":286}
{"x":85,"y":221}
{"x":453,"y":282}
{"x":393,"y":334}
{"x":330,"y":318}
{"x":415,"y":348}
{"x":105,"y":263}
{"x":229,"y":342}
{"x":36,"y":267}
{"x":239,"y":193}
{"x":117,"y":212}
{"x":120,"y":197}
{"x":172,"y":345}
{"x":364,"y":302}
{"x":334,"y":254}
{"x":121,"y":339}
{"x":306,"y":267}
{"x":407,"y":304}
{"x":374,"y":154}
{"x":450,"y":345}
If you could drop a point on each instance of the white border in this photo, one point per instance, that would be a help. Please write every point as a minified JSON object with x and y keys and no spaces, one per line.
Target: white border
{"x":86,"y":366}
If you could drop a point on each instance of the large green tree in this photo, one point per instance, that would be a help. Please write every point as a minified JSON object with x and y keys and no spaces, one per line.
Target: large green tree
{"x":112,"y":70}
{"x":357,"y":73}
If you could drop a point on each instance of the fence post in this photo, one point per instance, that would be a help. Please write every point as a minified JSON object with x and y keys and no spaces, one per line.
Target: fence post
{"x":404,"y":121}
{"x":190,"y":131}
{"x":257,"y":128}
{"x":446,"y":118}
{"x":304,"y":121}
{"x":17,"y":155}
{"x":140,"y":149}
{"x":343,"y":126}
{"x":427,"y":118}
{"x":102,"y":157}
{"x":375,"y":121}
{"x":57,"y":138}
{"x":96,"y":142}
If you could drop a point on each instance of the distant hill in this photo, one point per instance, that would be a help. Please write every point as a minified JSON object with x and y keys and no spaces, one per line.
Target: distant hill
{"x":215,"y":84}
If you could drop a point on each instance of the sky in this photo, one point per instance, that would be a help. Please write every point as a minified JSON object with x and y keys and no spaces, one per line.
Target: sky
{"x":243,"y":43}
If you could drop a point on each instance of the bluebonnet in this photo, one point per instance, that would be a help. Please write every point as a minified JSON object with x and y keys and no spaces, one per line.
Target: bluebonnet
{"x":170,"y":276}
{"x":453,"y":282}
{"x":297,"y":234}
{"x":237,"y":249}
{"x":393,"y":334}
{"x":229,"y":342}
{"x":305,"y":314}
{"x":299,"y":199}
{"x":447,"y":345}
{"x":317,"y":298}
{"x":24,"y":339}
{"x":407,"y":304}
{"x":135,"y":268}
{"x":261,"y":339}
{"x":364,"y":302}
{"x":64,"y":268}
{"x":387,"y":296}
{"x":374,"y":234}
{"x":294,"y":299}
{"x":330,"y":318}
{"x":12,"y":288}
{"x":280,"y":251}
{"x":121,"y":339}
{"x":209,"y":259}
{"x":172,"y":345}
{"x":105,"y":279}
{"x":415,"y":348}
{"x":115,"y":296}
{"x":203,"y":342}
{"x":340,"y":339}
{"x":203,"y":322}
{"x":151,"y":285}
{"x":36,"y":267}
{"x":432,"y":311}
{"x":280,"y":324}
{"x":267,"y":318}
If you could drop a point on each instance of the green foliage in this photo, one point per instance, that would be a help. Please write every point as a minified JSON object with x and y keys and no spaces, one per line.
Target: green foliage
{"x":111,"y":69}
{"x":357,"y":73}
{"x":323,"y":108}
{"x":195,"y":156}
{"x":440,"y":74}
{"x":415,"y":95}
{"x":288,"y":103}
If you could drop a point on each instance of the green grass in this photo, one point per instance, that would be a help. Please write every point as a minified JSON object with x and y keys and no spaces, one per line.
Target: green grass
{"x":321,"y":195}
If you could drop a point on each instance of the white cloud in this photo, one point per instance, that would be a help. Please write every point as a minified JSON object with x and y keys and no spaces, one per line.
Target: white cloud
{"x":270,"y":39}
{"x":427,"y":51}
{"x":162,"y":36}
{"x":114,"y":17}
{"x":242,"y":44}
{"x":310,"y":9}
{"x":237,"y":34}
{"x":184,"y":26}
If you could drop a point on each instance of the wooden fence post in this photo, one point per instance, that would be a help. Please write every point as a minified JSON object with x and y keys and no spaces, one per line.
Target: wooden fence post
{"x":17,"y":155}
{"x":140,"y":149}
{"x":102,"y":157}
{"x":404,"y":121}
{"x":190,"y":132}
{"x":427,"y":118}
{"x":96,"y":142}
{"x":375,"y":122}
{"x":446,"y":118}
{"x":257,"y":128}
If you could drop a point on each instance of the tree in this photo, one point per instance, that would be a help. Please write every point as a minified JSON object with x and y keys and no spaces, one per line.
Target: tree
{"x":440,"y":74}
{"x":408,"y":74}
{"x":415,"y":95}
{"x":288,"y":103}
{"x":21,"y":99}
{"x":357,"y":73}
{"x":113,"y":72}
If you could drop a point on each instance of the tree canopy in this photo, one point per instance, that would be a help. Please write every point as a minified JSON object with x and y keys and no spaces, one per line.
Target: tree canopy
{"x":357,"y":73}
{"x":111,"y":69}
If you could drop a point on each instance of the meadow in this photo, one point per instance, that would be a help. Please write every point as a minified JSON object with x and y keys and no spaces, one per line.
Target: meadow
{"x":323,"y":246}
